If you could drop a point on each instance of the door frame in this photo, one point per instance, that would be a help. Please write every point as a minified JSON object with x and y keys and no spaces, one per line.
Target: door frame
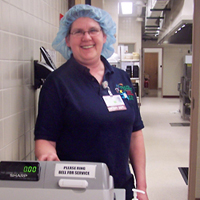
{"x":194,"y":170}
{"x":160,"y":61}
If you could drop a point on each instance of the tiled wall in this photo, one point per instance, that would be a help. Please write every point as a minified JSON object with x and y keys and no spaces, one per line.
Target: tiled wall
{"x":128,"y":28}
{"x":112,"y":8}
{"x":25,"y":25}
{"x":130,"y":32}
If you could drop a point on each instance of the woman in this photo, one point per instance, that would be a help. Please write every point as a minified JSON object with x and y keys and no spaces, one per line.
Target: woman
{"x":79,"y":119}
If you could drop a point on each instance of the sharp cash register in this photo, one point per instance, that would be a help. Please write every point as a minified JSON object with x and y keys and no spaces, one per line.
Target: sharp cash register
{"x":51,"y":180}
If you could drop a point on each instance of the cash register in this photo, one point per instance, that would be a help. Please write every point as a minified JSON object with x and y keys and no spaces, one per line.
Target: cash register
{"x":52,"y":180}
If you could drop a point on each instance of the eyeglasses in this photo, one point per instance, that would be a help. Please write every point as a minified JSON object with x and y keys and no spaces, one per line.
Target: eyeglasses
{"x":80,"y":33}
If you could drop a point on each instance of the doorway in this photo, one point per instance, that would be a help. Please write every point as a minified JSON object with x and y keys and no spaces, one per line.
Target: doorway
{"x":152,"y":57}
{"x":151,"y":69}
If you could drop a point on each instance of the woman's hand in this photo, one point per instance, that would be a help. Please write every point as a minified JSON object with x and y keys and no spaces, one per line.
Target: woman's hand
{"x":138,"y":162}
{"x":48,"y":157}
{"x":46,"y":150}
{"x":141,"y":196}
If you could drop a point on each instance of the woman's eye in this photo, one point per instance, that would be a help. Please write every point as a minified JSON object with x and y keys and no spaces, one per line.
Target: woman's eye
{"x":78,"y":32}
{"x":93,"y":31}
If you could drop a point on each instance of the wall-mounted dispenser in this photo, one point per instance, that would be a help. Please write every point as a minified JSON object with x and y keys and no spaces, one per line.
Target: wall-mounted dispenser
{"x":42,"y":70}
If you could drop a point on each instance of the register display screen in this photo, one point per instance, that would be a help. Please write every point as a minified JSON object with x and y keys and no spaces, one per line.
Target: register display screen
{"x":19,"y":171}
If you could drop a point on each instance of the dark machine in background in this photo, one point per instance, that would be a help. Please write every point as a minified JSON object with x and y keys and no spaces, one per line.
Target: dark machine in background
{"x":41,"y":69}
{"x":184,"y":88}
{"x":133,"y":72}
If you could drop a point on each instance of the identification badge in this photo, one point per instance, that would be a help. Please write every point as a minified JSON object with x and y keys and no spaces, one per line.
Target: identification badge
{"x":114,"y":103}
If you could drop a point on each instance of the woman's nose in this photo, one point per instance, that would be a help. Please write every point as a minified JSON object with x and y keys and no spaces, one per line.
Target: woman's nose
{"x":86,"y":35}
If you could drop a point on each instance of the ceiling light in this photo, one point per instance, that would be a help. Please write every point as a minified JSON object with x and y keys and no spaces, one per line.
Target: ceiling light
{"x":127,"y":8}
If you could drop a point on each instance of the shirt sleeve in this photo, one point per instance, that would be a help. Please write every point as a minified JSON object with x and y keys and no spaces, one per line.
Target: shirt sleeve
{"x":138,"y":123}
{"x":50,"y":111}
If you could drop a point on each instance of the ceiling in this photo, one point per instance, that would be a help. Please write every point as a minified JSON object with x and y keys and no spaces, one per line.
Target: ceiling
{"x":153,"y":18}
{"x":150,"y":15}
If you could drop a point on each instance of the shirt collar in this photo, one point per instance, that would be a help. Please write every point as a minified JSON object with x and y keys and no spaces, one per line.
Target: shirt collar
{"x":81,"y":68}
{"x":108,"y":67}
{"x":78,"y":66}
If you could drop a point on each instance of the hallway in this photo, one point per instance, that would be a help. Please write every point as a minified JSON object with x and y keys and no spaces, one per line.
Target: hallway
{"x":167,"y":148}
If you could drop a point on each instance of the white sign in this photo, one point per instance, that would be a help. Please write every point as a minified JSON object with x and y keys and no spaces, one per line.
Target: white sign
{"x":75,"y":170}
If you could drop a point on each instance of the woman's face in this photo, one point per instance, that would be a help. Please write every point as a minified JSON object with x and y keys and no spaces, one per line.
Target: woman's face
{"x":86,"y":48}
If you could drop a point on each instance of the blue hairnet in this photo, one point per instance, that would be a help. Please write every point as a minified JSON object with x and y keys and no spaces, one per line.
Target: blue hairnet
{"x":102,"y":17}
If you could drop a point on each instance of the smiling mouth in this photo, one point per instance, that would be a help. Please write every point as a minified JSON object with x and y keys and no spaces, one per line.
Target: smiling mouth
{"x":88,"y":47}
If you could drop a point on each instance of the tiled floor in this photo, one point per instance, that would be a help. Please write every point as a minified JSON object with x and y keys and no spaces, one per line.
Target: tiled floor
{"x":167,"y":148}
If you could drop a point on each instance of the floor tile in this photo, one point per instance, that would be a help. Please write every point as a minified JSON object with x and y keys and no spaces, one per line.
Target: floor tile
{"x":167,"y":148}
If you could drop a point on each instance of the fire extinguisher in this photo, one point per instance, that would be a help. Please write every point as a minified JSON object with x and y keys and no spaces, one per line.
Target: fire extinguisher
{"x":146,"y":82}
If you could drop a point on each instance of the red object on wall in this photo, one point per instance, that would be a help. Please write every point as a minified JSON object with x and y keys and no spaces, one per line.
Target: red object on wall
{"x":61,"y":16}
{"x":146,"y":83}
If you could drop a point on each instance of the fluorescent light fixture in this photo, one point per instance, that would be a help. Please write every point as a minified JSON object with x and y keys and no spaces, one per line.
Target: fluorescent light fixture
{"x":127,"y":8}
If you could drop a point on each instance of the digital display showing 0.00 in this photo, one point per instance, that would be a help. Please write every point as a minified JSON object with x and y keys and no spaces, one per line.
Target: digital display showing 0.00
{"x":30,"y":169}
{"x":19,"y":171}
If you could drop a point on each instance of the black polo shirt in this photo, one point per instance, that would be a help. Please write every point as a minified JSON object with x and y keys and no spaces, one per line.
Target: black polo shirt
{"x":73,"y":113}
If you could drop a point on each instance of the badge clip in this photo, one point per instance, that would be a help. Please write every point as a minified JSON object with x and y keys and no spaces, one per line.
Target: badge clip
{"x":105,"y":86}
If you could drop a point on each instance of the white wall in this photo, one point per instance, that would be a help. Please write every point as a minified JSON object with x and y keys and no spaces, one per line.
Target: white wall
{"x":97,"y":3}
{"x":172,"y":65}
{"x":130,"y":32}
{"x":25,"y":25}
{"x":128,"y":29}
{"x":111,"y":6}
{"x":173,"y":61}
